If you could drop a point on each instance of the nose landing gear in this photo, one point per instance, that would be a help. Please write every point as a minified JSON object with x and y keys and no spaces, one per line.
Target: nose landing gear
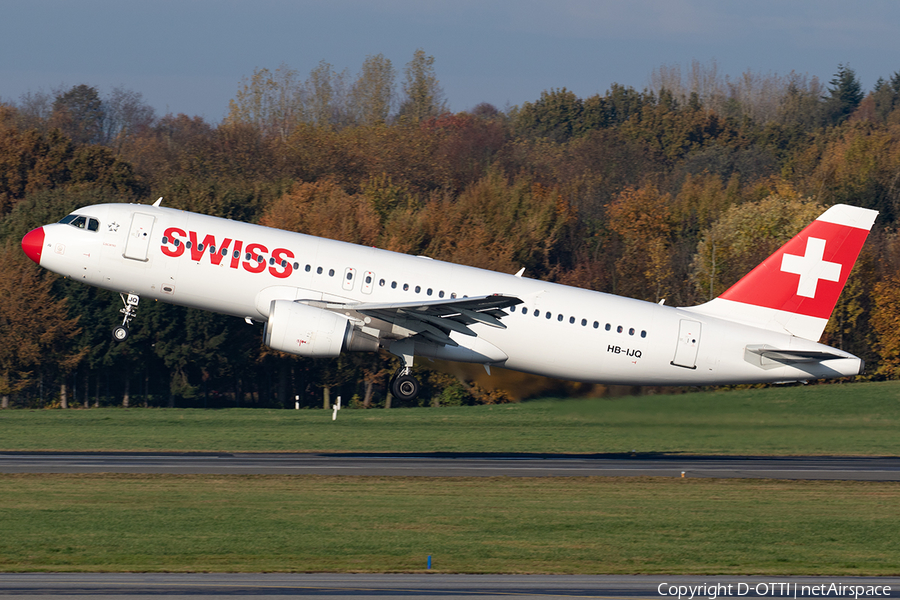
{"x":121,"y":332}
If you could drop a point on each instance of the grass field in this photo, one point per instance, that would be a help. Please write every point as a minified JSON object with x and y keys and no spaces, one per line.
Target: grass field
{"x":490,"y":525}
{"x":849,"y":419}
{"x":477,"y":525}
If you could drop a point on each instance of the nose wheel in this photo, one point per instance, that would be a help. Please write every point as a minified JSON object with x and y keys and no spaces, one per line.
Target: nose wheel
{"x":121,"y":332}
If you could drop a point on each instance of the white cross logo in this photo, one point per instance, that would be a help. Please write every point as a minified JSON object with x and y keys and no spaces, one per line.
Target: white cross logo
{"x":811,"y":267}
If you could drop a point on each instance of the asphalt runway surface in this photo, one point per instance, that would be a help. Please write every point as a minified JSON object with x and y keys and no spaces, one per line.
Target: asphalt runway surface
{"x":131,"y":586}
{"x":458,"y":465}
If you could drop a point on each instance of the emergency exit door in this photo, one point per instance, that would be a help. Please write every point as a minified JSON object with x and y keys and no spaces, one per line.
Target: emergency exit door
{"x":138,"y":243}
{"x":688,"y":344}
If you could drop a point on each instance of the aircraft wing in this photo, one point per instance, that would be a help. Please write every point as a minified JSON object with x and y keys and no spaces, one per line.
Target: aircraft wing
{"x":434,"y":320}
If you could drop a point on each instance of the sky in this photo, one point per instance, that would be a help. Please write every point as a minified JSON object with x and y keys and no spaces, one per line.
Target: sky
{"x":189,"y":56}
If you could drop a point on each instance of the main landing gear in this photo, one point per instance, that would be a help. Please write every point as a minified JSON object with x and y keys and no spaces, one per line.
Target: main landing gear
{"x":404,"y":386}
{"x":121,"y":332}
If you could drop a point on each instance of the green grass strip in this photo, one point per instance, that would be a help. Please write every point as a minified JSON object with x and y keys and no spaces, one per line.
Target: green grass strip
{"x":114,"y":523}
{"x":840,"y":419}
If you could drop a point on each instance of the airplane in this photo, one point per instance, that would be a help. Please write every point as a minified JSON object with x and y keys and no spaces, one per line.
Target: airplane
{"x":320,"y":297}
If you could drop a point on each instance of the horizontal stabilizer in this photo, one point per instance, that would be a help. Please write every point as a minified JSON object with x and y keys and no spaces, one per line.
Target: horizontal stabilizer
{"x":793,"y":356}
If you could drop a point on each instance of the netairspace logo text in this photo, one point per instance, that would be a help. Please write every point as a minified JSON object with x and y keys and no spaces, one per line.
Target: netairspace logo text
{"x":779,"y":589}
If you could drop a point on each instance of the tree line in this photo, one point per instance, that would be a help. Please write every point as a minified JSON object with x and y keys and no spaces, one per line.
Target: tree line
{"x":674,"y":191}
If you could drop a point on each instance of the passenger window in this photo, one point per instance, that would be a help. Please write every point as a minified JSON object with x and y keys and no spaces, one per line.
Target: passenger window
{"x":381,"y":282}
{"x":559,"y":318}
{"x":441,"y":294}
{"x":296,"y":266}
{"x":608,"y":326}
{"x":308,"y":268}
{"x":643,"y":334}
{"x":237,"y":253}
{"x":319,"y":271}
{"x":350,"y":276}
{"x":571,"y":319}
{"x":331,"y":272}
{"x":619,"y":329}
{"x":429,"y":291}
{"x":165,"y":240}
{"x":418,"y":289}
{"x":596,"y":324}
{"x":405,"y":287}
{"x":548,"y":315}
{"x":212,"y":249}
{"x":393,"y":285}
{"x":631,"y":331}
{"x":584,"y":322}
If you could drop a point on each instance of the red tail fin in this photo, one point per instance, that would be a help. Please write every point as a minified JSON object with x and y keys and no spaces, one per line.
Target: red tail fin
{"x":797,"y":288}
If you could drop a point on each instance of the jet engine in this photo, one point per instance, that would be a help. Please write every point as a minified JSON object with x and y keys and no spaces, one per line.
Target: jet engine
{"x":309,"y":331}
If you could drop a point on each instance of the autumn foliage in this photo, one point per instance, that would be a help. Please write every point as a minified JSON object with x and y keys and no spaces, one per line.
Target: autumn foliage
{"x":667,"y":193}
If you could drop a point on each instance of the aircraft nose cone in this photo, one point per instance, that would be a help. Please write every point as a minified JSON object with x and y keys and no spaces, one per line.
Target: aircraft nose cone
{"x":33,"y":243}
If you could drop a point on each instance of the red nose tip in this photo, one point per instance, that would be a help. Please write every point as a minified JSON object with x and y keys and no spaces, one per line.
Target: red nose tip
{"x":33,"y":243}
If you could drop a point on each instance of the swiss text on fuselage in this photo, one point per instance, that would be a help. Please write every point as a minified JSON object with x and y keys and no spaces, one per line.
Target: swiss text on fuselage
{"x":234,"y":253}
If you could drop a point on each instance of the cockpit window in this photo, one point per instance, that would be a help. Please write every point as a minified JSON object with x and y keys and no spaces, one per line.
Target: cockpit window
{"x":81,"y":222}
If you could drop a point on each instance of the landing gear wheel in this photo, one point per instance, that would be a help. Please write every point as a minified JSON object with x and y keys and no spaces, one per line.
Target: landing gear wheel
{"x":405,"y":388}
{"x":120,"y":333}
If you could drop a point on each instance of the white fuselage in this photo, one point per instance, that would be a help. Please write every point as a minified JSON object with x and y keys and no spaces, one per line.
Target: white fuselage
{"x":558,"y":331}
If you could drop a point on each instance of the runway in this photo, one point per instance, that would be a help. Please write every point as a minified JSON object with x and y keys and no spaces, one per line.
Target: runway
{"x":458,"y":465}
{"x":184,"y":586}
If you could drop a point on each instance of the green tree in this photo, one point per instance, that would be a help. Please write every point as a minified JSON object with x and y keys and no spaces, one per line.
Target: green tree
{"x":35,"y":327}
{"x":372,"y":95}
{"x":272,"y":102}
{"x":886,"y":96}
{"x":844,"y":95}
{"x":79,"y":113}
{"x":423,"y":96}
{"x":745,"y":235}
{"x":555,"y":116}
{"x":324,"y":94}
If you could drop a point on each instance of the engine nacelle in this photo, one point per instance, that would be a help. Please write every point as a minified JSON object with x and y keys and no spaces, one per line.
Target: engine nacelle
{"x":305,"y":330}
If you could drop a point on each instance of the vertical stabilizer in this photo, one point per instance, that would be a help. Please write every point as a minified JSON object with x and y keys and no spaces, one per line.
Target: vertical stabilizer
{"x":795,"y":290}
